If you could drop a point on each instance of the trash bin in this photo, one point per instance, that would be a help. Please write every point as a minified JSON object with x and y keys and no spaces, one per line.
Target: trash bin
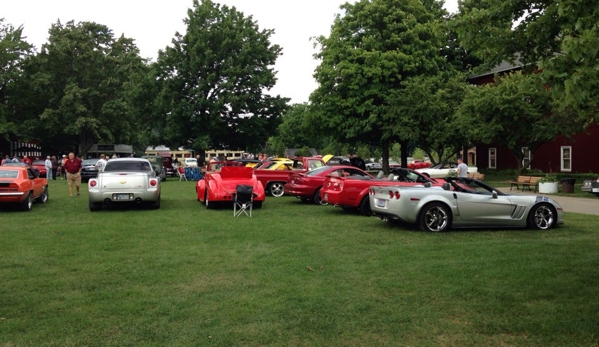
{"x":568,"y":185}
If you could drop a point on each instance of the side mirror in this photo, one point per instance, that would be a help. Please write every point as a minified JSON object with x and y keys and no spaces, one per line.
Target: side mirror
{"x":494,"y":194}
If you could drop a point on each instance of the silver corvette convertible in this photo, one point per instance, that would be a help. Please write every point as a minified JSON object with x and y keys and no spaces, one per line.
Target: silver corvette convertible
{"x":463,"y":203}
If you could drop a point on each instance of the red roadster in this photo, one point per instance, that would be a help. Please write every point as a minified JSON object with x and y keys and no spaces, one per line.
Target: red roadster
{"x":352,"y":192}
{"x":306,"y":185}
{"x":220,"y":183}
{"x":21,"y":185}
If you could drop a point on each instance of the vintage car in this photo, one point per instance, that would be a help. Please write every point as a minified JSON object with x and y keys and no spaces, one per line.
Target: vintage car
{"x":418,"y":164}
{"x":21,"y":186}
{"x":306,"y":185}
{"x":89,"y":169}
{"x":591,"y":186}
{"x":463,"y":203}
{"x":351,"y":192}
{"x":443,"y":170}
{"x":125,"y":180}
{"x":220,"y":182}
{"x":157,"y":163}
{"x":40,"y":165}
{"x":277,"y":165}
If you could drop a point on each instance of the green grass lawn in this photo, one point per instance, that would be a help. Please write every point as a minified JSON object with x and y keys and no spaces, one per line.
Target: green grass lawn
{"x":292,"y":275}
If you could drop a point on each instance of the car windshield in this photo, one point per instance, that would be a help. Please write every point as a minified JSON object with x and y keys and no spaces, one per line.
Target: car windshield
{"x":127,"y":166}
{"x":468,"y":185}
{"x":315,"y":172}
{"x":9,"y":173}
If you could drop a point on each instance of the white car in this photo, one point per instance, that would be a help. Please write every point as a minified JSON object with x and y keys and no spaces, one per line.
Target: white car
{"x":190,"y":162}
{"x":443,"y":170}
{"x":125,"y":180}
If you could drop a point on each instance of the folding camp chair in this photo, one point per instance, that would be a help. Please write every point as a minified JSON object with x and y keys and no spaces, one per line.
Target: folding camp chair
{"x":243,"y":200}
{"x":181,"y":171}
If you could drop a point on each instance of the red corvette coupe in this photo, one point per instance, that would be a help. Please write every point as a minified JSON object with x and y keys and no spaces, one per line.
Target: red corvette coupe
{"x":352,"y":192}
{"x":220,"y":184}
{"x":20,"y":185}
{"x":418,"y":164}
{"x":306,"y":185}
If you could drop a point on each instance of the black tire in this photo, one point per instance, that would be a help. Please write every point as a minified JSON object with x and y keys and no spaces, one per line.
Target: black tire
{"x":43,"y":198}
{"x":95,"y":206}
{"x":317,"y":200}
{"x":542,"y":217}
{"x":257,"y":204}
{"x":27,"y":203}
{"x":156,"y":204}
{"x":435,"y":217}
{"x":206,"y":202}
{"x":365,"y":206}
{"x":276,"y":189}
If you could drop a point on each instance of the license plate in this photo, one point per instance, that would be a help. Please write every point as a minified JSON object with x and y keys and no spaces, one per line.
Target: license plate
{"x":595,"y":190}
{"x":121,"y":197}
{"x":381,"y":203}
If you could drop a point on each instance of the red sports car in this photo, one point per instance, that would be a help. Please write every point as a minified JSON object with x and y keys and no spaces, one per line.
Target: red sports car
{"x":20,"y":185}
{"x":306,"y":185}
{"x":352,"y":192}
{"x":418,"y":164}
{"x":40,"y":165}
{"x":220,"y":184}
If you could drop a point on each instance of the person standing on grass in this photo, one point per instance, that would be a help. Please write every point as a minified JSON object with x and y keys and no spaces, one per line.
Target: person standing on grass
{"x":462,"y":168}
{"x":101,"y":163}
{"x":54,"y":167}
{"x":48,"y":165}
{"x":73,"y":169}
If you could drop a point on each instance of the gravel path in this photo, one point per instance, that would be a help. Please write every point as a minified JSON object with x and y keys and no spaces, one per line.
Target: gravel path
{"x":577,"y":205}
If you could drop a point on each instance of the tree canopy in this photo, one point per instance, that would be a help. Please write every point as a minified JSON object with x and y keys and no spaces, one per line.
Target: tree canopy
{"x":80,"y":78}
{"x":13,"y":50}
{"x":213,"y":82}
{"x":374,"y":47}
{"x":517,"y":111}
{"x":558,"y":36}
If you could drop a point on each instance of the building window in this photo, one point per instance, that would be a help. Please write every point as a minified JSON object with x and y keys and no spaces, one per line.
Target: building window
{"x":566,"y":158}
{"x":527,"y":157}
{"x":492,"y":158}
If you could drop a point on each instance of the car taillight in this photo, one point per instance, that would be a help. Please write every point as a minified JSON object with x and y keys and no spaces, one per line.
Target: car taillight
{"x":93,"y":183}
{"x":153,"y":182}
{"x":393,"y":194}
{"x":397,"y":196}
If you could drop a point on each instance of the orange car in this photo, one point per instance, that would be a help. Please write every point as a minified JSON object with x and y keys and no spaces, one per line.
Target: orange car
{"x":21,"y":185}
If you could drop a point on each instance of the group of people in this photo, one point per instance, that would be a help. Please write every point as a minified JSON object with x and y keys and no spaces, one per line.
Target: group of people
{"x":68,"y":167}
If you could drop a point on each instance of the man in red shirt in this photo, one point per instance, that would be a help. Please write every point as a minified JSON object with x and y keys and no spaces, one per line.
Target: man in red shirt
{"x":73,"y":168}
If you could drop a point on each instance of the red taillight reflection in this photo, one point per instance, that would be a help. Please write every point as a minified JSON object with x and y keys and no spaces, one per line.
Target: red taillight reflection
{"x":397,"y":195}
{"x":92,"y":183}
{"x":153,"y":183}
{"x":390,"y":195}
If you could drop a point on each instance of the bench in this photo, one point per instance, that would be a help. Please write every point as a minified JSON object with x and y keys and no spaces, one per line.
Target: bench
{"x":477,"y":176}
{"x":525,"y":181}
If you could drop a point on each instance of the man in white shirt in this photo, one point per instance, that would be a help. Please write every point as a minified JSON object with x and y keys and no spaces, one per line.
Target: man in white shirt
{"x":101,"y":163}
{"x":462,"y":168}
{"x":48,"y":165}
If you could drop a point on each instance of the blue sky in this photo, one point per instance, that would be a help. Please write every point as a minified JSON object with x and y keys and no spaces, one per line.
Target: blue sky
{"x":153,"y":23}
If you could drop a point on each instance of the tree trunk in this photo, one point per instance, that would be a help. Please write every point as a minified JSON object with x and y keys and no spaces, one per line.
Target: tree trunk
{"x":404,"y":153}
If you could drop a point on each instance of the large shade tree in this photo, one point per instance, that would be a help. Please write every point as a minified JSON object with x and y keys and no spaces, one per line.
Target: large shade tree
{"x":374,"y":47}
{"x":213,"y":82}
{"x":559,"y":36}
{"x":75,"y":91}
{"x":13,"y":50}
